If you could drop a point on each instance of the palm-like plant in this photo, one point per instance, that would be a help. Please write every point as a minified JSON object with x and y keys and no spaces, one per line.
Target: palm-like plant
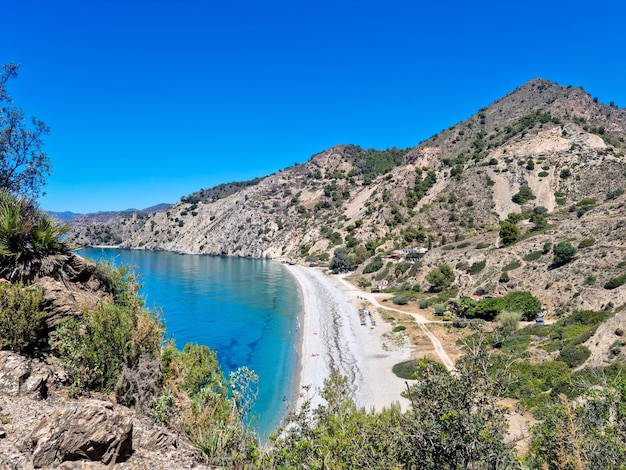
{"x":30,"y":242}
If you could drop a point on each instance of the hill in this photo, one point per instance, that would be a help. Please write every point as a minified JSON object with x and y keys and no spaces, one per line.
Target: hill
{"x":551,"y":155}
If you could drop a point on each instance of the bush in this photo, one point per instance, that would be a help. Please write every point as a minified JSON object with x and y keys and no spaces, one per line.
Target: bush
{"x":373,"y":266}
{"x":533,"y":256}
{"x":440,"y":309}
{"x":574,"y":356}
{"x":114,"y":335}
{"x":615,"y":282}
{"x":22,"y":319}
{"x":587,"y":242}
{"x":522,"y":301}
{"x":509,"y":233}
{"x":402,"y":299}
{"x":564,"y":252}
{"x":511,"y":266}
{"x":477,"y":267}
{"x":440,"y":277}
{"x":406,"y":370}
{"x":524,"y":195}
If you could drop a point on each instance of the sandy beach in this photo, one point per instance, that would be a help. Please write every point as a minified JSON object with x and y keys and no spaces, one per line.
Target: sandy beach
{"x":332,"y":336}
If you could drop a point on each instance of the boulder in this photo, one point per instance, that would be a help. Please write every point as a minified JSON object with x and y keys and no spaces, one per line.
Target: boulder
{"x":86,"y":430}
{"x":22,"y":376}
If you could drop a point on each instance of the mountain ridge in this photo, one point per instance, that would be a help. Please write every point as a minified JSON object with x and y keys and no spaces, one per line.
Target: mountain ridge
{"x":556,"y":144}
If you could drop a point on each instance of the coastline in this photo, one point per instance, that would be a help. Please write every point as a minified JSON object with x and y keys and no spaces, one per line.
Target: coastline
{"x":332,"y":336}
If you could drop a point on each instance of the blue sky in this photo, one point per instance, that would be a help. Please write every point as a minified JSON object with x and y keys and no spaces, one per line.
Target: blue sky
{"x":151,"y":100}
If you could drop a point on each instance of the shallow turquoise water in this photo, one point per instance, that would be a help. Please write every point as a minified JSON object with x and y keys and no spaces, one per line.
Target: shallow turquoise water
{"x":245,"y":309}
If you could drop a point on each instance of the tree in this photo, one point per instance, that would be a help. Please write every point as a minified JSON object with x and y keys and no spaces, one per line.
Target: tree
{"x":509,"y":233}
{"x":455,"y":421}
{"x":341,"y":260}
{"x":24,"y":167}
{"x":564,"y":252}
{"x":440,"y":277}
{"x":524,"y":195}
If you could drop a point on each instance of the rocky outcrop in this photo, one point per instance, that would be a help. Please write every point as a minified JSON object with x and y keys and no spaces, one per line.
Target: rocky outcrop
{"x":91,"y":429}
{"x":42,"y":429}
{"x":68,"y":293}
{"x":21,"y":376}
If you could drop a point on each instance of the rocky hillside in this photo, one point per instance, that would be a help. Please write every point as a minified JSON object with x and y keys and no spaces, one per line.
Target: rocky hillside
{"x":553,"y":154}
{"x":42,"y":427}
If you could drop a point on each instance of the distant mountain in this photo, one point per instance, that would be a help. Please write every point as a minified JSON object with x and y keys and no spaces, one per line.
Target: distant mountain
{"x":547,"y":158}
{"x":103,"y":216}
{"x":66,"y":216}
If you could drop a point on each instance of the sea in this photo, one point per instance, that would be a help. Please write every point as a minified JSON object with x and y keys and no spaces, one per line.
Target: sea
{"x":246,"y":309}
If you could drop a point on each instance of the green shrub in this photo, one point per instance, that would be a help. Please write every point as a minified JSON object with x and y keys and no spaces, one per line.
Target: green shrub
{"x":440,"y":277}
{"x":403,"y":298}
{"x":533,"y":255}
{"x":564,"y":252}
{"x":574,"y":356}
{"x":22,"y":319}
{"x":587,"y":242}
{"x":615,"y":282}
{"x":518,"y":301}
{"x":509,"y":233}
{"x":524,"y":195}
{"x":406,"y":370}
{"x":480,"y":246}
{"x":439,"y":309}
{"x":590,"y":280}
{"x":477,"y":267}
{"x":373,"y":266}
{"x":398,"y":328}
{"x":97,"y":346}
{"x":543,"y":174}
{"x":511,"y":266}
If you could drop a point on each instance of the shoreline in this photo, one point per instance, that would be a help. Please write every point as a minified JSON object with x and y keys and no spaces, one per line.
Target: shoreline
{"x":332,"y":336}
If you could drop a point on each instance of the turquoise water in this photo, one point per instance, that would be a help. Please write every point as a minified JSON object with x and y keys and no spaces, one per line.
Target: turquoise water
{"x":245,"y":309}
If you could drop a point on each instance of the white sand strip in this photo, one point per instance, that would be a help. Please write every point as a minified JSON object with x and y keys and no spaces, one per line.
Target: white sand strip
{"x":332,"y":336}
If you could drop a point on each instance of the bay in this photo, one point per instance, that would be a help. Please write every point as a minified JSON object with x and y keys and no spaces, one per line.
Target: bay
{"x":245,"y":309}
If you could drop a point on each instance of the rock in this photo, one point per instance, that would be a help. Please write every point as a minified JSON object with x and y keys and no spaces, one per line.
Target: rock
{"x":21,"y":376}
{"x":90,"y":429}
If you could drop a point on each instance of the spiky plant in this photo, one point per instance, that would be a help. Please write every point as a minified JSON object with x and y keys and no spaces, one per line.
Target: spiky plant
{"x":30,"y":242}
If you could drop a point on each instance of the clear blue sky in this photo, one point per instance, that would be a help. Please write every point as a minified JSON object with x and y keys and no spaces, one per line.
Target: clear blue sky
{"x":151,"y":100}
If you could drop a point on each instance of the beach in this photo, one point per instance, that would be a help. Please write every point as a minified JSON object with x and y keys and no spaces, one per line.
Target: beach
{"x":333,"y":336}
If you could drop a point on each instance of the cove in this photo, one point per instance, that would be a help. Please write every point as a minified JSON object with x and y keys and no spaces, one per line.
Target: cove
{"x":245,"y":309}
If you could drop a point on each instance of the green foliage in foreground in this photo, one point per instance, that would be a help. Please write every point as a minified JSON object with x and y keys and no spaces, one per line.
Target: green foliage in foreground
{"x":22,"y":319}
{"x":454,"y":423}
{"x":30,"y":242}
{"x":96,"y":347}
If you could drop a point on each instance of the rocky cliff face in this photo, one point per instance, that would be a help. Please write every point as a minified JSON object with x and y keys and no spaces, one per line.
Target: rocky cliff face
{"x":559,"y":143}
